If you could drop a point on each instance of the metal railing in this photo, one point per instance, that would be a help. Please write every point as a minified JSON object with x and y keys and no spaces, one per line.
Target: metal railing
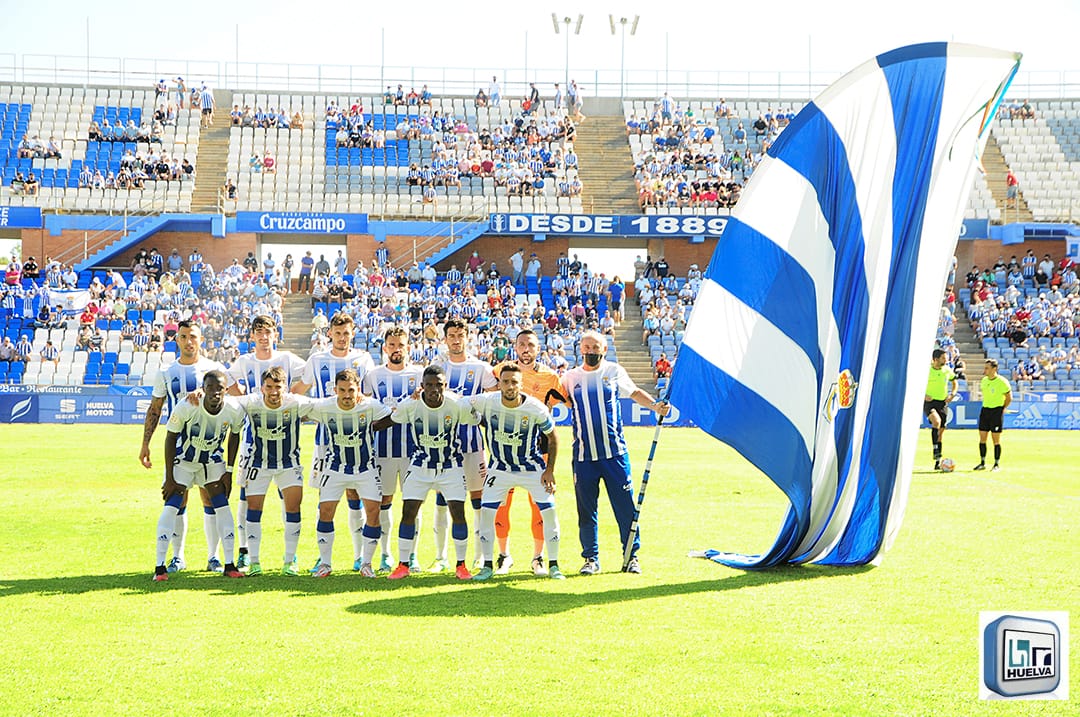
{"x":443,"y":233}
{"x":457,"y":81}
{"x":111,"y":229}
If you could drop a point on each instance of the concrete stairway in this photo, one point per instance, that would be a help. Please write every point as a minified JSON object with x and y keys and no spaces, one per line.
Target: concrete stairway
{"x":606,"y":166}
{"x":632,"y":355}
{"x":212,"y":160}
{"x":296,"y":322}
{"x":971,"y":350}
{"x":993,"y":161}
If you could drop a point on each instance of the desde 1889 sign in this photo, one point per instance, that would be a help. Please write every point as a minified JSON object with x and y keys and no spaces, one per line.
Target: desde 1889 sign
{"x":606,"y":225}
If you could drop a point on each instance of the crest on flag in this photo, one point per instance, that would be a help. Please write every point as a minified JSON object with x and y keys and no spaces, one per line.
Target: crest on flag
{"x":841,"y":395}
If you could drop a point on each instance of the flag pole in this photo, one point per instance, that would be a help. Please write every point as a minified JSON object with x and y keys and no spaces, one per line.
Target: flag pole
{"x":629,"y":547}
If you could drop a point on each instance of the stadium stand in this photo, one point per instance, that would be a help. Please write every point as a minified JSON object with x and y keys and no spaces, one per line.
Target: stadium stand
{"x":1044,"y":153}
{"x":313,"y":171}
{"x":66,"y":113}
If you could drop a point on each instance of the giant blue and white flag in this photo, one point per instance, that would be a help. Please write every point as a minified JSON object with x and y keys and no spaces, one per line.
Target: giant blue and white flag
{"x":808,"y":346}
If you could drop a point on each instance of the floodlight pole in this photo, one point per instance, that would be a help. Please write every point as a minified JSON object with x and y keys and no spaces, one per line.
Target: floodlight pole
{"x":622,"y":48}
{"x":566,"y":20}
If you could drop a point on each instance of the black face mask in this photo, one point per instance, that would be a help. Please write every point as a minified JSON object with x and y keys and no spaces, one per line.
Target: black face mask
{"x":592,"y":359}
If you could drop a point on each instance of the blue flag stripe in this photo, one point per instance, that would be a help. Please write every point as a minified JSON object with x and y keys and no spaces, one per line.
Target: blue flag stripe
{"x":766,"y":278}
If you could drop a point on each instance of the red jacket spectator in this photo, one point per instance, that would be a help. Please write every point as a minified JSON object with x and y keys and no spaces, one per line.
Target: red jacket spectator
{"x":663,"y":367}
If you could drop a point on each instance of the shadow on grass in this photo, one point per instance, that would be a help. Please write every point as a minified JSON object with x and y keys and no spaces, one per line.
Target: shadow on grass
{"x":510,"y":598}
{"x":505,"y":596}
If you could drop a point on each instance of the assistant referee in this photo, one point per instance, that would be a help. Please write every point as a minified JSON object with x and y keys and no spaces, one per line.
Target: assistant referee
{"x":996,"y":397}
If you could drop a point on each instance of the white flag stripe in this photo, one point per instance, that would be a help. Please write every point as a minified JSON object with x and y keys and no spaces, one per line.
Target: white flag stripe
{"x":758,"y":355}
{"x":799,"y":228}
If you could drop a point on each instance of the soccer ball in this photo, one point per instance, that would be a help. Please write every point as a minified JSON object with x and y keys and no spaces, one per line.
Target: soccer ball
{"x":948,"y":465}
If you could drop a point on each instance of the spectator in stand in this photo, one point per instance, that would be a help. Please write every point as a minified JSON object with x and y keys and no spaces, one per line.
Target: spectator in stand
{"x":1045,"y":271}
{"x":307,"y":266}
{"x":269,"y":164}
{"x":1012,"y":187}
{"x":50,"y":353}
{"x":662,"y":367}
{"x":206,"y":104}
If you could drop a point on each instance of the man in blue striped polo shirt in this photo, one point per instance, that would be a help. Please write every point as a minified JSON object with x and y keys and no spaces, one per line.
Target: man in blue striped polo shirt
{"x":600,"y":452}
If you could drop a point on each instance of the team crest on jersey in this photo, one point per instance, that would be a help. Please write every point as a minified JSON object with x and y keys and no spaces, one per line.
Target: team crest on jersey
{"x":285,"y":416}
{"x":470,"y":375}
{"x":524,"y":423}
{"x":448,"y":421}
{"x":841,"y":395}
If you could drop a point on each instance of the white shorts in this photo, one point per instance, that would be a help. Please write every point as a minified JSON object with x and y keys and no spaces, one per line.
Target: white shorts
{"x":418,"y":482}
{"x":499,"y":484}
{"x":257,"y":480}
{"x":392,"y":473}
{"x":332,"y":485}
{"x":318,"y":459}
{"x":197,"y":474}
{"x":475,"y":465}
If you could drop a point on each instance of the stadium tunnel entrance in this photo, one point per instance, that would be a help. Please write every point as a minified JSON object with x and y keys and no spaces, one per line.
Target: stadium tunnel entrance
{"x":278,"y":246}
{"x":611,"y":261}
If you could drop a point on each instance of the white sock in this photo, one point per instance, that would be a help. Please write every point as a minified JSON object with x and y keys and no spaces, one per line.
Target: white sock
{"x":356,"y":530}
{"x":487,"y":533}
{"x":406,"y":541}
{"x":224,"y":527}
{"x":386,"y":520}
{"x":477,"y":517}
{"x":551,"y":533}
{"x":179,"y":534}
{"x":254,"y":537}
{"x":292,"y":535}
{"x":210,"y":528}
{"x":371,"y":540}
{"x":241,"y":520}
{"x":419,"y":525}
{"x":442,"y":528}
{"x":165,"y":525}
{"x":461,"y":541}
{"x":324,"y":534}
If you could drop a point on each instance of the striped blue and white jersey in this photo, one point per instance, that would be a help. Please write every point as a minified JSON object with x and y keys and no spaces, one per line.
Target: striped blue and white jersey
{"x":434,"y":431}
{"x":247,"y":370}
{"x":470,"y":377}
{"x":513,"y":433}
{"x":351,"y":448}
{"x":596,"y":413}
{"x":319,"y":373}
{"x":201,"y":435}
{"x":389,"y":388}
{"x":273,"y":434}
{"x":177,"y":380}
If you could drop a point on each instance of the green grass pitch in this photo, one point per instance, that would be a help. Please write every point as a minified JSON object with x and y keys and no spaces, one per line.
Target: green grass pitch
{"x":85,"y":631}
